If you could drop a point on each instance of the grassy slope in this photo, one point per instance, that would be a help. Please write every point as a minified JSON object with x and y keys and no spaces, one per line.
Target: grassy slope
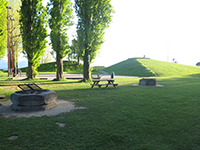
{"x":129,"y":67}
{"x":166,"y":69}
{"x":149,"y":68}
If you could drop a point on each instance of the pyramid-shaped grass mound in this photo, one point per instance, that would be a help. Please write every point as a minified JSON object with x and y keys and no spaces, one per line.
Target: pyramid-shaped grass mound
{"x":151,"y":68}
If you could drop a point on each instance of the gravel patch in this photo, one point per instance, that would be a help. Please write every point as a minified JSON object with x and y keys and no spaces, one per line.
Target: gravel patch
{"x":63,"y":106}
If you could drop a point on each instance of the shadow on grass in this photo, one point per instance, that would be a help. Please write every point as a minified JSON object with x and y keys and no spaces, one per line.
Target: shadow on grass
{"x":39,"y":82}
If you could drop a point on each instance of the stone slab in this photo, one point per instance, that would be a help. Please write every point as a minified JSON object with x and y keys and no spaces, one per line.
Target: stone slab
{"x":33,"y":108}
{"x":35,"y":98}
{"x":148,"y":82}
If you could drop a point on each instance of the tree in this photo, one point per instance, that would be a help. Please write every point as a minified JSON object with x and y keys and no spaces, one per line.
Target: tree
{"x":61,"y":19}
{"x":94,"y":16}
{"x":33,"y":19}
{"x":3,"y":28}
{"x":76,"y":51}
{"x":15,"y":29}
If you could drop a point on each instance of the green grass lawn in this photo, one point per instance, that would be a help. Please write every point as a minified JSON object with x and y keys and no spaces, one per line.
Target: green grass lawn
{"x":128,"y":117}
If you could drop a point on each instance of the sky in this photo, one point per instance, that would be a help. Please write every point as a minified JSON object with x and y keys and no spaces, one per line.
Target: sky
{"x":159,"y":29}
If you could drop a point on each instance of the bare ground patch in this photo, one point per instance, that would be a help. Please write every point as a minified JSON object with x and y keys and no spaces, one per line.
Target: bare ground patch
{"x":63,"y":106}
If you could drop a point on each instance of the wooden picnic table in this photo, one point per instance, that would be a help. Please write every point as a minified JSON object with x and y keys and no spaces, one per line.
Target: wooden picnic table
{"x":110,"y":82}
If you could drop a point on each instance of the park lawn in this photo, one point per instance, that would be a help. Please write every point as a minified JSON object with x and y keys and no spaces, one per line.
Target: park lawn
{"x":128,"y":117}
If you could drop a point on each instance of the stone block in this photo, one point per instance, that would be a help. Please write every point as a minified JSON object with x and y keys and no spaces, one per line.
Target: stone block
{"x":148,"y":82}
{"x":33,"y":108}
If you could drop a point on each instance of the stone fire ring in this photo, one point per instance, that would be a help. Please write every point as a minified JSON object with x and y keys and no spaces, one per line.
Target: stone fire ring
{"x":33,"y":100}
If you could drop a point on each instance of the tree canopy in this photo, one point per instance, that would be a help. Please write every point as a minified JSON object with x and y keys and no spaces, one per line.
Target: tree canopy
{"x":3,"y":28}
{"x":15,"y":29}
{"x":60,"y":20}
{"x":76,"y":51}
{"x":94,"y":16}
{"x":33,"y":19}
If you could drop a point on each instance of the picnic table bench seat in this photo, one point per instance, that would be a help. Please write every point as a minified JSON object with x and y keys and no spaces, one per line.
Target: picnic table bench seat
{"x":110,"y":82}
{"x":99,"y":85}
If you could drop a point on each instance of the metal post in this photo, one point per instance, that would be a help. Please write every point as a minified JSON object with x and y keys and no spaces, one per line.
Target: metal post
{"x":8,"y":7}
{"x":13,"y":68}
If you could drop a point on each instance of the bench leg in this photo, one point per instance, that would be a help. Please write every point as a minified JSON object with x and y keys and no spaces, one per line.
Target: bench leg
{"x":99,"y":87}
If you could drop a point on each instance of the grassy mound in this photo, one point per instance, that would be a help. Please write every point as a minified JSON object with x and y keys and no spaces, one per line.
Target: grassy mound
{"x":151,"y":68}
{"x":68,"y":66}
{"x":130,"y":67}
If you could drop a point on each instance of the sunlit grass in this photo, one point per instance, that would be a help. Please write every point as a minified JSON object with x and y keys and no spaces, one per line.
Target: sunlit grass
{"x":149,"y":67}
{"x":128,"y":117}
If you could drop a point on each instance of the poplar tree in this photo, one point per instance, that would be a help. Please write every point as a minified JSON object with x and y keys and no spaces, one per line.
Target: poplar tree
{"x":3,"y":28}
{"x":33,"y":19}
{"x":76,"y":51}
{"x":60,"y":20}
{"x":94,"y":16}
{"x":15,"y":29}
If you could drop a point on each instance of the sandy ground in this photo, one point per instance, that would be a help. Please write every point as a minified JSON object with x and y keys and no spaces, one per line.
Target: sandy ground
{"x":62,"y":107}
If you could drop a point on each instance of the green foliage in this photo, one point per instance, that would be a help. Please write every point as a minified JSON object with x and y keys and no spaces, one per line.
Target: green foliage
{"x":76,"y":51}
{"x":93,"y":18}
{"x":61,"y":19}
{"x":15,"y":28}
{"x":3,"y":28}
{"x":152,"y":68}
{"x":3,"y":75}
{"x":33,"y":19}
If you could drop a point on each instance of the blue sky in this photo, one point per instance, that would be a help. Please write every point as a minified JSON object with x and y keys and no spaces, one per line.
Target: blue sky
{"x":159,"y":29}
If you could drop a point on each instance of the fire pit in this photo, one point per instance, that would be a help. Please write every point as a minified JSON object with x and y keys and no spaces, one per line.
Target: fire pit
{"x":33,"y":98}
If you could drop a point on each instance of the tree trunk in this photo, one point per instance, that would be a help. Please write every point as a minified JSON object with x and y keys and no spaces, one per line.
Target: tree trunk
{"x":78,"y":60}
{"x":30,"y":70}
{"x":59,"y":63}
{"x":86,"y":70}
